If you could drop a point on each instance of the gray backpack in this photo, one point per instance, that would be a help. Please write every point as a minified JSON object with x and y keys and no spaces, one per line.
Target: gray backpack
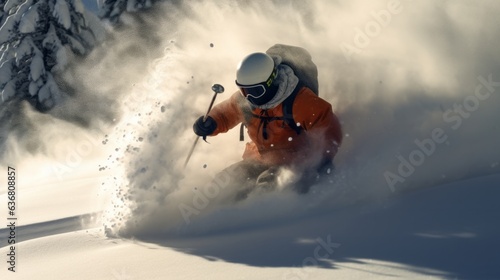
{"x":300,"y":61}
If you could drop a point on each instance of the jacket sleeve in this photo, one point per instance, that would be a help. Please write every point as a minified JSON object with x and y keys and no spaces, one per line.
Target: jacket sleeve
{"x":227,"y":114}
{"x":318,"y":120}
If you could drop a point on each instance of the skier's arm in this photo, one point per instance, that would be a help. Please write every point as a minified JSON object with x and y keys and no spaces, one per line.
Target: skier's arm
{"x":227,"y":114}
{"x":321,"y":124}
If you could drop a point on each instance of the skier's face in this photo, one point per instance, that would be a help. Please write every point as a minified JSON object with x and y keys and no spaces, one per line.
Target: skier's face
{"x":260,"y":94}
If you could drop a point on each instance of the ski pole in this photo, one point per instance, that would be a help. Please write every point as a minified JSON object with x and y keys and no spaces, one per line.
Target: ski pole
{"x":217,"y":88}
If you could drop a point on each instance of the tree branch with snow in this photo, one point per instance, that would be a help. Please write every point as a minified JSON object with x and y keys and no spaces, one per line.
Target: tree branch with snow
{"x":37,"y":38}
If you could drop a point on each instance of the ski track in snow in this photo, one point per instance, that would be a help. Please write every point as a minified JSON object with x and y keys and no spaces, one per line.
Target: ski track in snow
{"x":408,"y":95}
{"x":44,"y":229}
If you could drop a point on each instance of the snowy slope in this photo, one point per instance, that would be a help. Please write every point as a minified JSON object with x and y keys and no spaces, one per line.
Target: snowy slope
{"x":416,"y":181}
{"x":390,"y":238}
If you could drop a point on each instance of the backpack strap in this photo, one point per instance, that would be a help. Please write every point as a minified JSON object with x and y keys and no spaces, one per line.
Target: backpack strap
{"x":287,"y":106}
{"x":242,"y":132}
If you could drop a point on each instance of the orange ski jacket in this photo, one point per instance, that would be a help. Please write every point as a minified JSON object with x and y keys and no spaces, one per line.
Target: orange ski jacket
{"x":319,"y":139}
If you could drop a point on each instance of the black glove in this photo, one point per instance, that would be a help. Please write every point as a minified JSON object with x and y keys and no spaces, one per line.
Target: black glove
{"x":204,"y":128}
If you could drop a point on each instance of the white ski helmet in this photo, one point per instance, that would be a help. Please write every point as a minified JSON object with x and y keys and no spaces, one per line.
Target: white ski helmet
{"x":255,"y":75}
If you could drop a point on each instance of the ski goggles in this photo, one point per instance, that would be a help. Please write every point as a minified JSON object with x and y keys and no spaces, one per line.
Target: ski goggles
{"x":257,"y":91}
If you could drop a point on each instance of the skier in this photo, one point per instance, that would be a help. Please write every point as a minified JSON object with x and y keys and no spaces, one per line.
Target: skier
{"x":289,"y":125}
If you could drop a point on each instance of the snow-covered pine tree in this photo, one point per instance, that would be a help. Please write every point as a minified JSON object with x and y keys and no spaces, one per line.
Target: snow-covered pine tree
{"x":112,"y":9}
{"x":36,"y":40}
{"x":2,"y":13}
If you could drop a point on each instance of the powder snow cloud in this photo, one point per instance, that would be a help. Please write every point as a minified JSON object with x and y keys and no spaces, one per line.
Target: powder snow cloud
{"x":391,"y":90}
